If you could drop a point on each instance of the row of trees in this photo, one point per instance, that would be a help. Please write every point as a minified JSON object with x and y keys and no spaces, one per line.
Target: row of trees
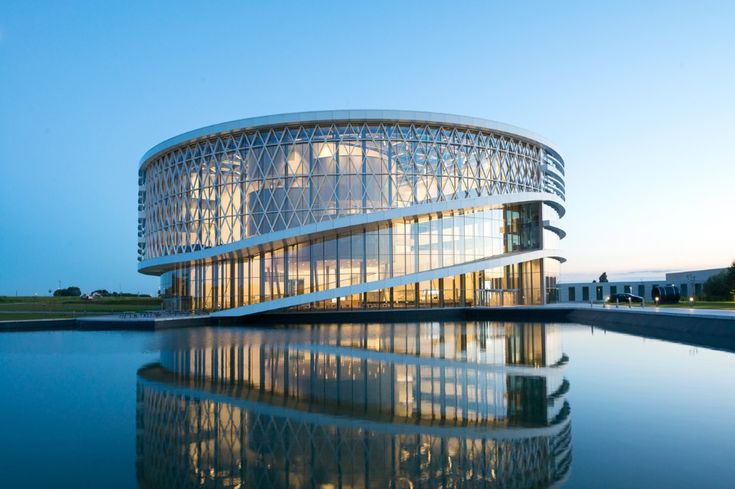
{"x":68,"y":292}
{"x":106,"y":293}
{"x":721,"y":287}
{"x":76,"y":292}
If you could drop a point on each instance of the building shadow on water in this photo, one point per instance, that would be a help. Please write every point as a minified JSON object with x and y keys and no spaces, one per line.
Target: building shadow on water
{"x":453,"y":404}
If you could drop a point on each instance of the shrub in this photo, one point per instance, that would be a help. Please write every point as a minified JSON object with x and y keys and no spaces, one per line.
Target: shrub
{"x":68,"y":292}
{"x":717,"y":288}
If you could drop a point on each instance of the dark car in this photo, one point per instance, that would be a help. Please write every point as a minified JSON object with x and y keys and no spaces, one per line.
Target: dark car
{"x":624,"y":298}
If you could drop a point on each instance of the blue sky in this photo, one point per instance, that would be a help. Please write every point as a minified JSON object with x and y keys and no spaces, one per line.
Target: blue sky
{"x":638,"y":96}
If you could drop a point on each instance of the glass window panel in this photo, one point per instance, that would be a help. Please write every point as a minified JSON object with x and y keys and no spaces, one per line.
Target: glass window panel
{"x":344,"y":244}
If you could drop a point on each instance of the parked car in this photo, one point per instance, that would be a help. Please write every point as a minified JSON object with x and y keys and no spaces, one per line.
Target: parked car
{"x":624,"y":298}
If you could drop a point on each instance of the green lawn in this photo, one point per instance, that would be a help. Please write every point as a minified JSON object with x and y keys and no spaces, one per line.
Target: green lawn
{"x":16,"y":308}
{"x":21,"y":316}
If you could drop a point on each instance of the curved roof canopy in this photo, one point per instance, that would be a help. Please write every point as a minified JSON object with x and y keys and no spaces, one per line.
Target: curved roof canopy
{"x":433,"y":118}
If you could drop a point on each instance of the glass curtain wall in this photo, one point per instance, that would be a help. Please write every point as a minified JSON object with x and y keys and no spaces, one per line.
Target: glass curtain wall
{"x":370,"y":254}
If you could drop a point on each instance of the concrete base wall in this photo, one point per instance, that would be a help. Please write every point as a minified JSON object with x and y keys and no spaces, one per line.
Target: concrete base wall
{"x":38,"y":325}
{"x":113,"y":323}
{"x":521,"y":314}
{"x":710,"y":332}
{"x":377,"y":315}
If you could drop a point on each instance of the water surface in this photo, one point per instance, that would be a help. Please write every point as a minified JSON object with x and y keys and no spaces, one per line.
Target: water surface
{"x":445,"y":404}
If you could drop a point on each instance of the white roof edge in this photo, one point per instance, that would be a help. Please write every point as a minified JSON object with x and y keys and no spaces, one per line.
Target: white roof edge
{"x":343,"y":115}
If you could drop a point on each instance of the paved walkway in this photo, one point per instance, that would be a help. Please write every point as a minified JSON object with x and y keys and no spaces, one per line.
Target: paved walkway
{"x":651,"y":309}
{"x":117,"y":317}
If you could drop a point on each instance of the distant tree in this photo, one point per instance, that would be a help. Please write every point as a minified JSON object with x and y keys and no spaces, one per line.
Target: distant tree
{"x":603,"y":277}
{"x":68,"y":292}
{"x":717,"y":288}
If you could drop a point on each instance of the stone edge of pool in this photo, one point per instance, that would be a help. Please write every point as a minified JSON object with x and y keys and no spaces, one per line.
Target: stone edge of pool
{"x":711,"y":329}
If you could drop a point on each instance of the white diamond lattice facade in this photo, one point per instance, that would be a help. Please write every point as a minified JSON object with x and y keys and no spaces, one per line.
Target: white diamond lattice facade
{"x":351,"y":210}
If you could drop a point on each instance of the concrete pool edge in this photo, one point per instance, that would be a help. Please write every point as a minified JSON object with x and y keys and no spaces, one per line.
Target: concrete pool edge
{"x":712,"y":329}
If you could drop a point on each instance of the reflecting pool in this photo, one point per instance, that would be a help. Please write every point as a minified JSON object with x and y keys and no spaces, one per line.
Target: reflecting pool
{"x":434,"y":404}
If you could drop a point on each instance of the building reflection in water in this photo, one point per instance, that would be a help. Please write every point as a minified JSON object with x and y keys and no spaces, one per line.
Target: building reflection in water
{"x":356,"y":405}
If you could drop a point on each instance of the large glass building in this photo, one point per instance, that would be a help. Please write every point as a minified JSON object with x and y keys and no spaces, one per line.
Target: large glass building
{"x":345,"y":210}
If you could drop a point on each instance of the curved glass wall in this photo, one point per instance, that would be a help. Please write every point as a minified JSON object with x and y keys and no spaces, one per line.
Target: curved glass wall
{"x":511,"y":285}
{"x":552,"y":271}
{"x":358,"y":405}
{"x":371,"y":254}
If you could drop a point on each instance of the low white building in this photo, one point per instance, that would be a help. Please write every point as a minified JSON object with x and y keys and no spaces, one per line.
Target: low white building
{"x":690,"y":284}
